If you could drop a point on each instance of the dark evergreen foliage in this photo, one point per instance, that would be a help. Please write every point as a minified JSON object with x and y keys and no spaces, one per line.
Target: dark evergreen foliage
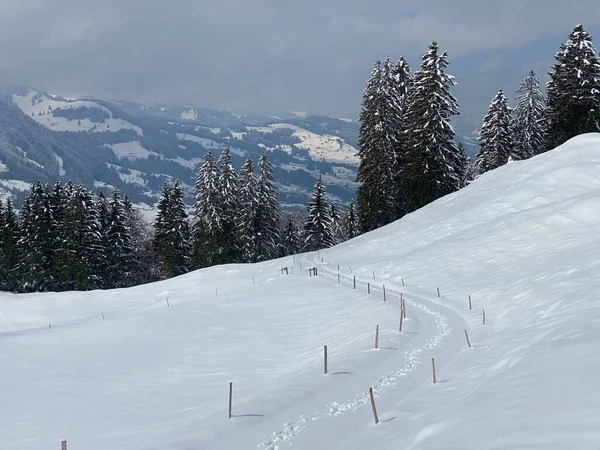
{"x":495,"y":136}
{"x":573,"y":90}
{"x":528,"y":126}
{"x":318,"y":232}
{"x":432,"y":160}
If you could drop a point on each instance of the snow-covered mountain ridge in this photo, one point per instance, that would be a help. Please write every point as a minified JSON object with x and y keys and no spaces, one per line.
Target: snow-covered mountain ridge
{"x":137,"y":147}
{"x":128,"y":369}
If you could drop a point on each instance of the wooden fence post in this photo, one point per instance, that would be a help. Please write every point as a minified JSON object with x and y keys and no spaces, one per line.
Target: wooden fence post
{"x":369,"y":288}
{"x":438,"y":292}
{"x":338,"y":278}
{"x":325,"y":359}
{"x":470,"y":306}
{"x":402,"y":282}
{"x":230,"y":397}
{"x":350,"y":269}
{"x":377,"y":337}
{"x":167,"y":305}
{"x":401,"y":317}
{"x":373,"y":406}
{"x":102,"y":316}
{"x":484,"y":316}
{"x":384,"y":299}
{"x":374,"y":275}
{"x":49,"y":326}
{"x":433,"y":366}
{"x":338,"y":267}
{"x":63,"y":444}
{"x":354,"y":281}
{"x":404,"y":308}
{"x":467,"y":336}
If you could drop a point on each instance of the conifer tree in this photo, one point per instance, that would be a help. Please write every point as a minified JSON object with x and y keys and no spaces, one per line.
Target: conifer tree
{"x":466,"y":168}
{"x":268,"y":215}
{"x":318,"y":233}
{"x":378,"y":143}
{"x":9,"y":245}
{"x":350,"y":223}
{"x":495,"y":138}
{"x":430,"y":168}
{"x":177,"y":261}
{"x":161,"y":223}
{"x":82,"y":241}
{"x":227,"y":242}
{"x":336,"y":226}
{"x":527,"y":126}
{"x":119,"y":250}
{"x":573,"y":90}
{"x":247,"y":212}
{"x":290,"y":238}
{"x":207,"y":217}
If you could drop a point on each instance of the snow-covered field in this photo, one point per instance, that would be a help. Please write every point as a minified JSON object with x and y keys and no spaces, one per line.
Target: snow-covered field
{"x":320,"y":147}
{"x":523,"y":241}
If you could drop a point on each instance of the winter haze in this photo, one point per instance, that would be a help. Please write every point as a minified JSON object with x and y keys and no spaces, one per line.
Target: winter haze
{"x":270,"y":56}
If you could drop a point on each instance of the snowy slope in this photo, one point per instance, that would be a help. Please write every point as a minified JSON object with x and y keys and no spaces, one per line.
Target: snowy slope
{"x":523,"y":241}
{"x":40,"y":107}
{"x":320,"y":147}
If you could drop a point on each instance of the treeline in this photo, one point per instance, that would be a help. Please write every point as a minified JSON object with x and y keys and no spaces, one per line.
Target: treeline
{"x":408,"y":154}
{"x":66,"y":237}
{"x":237,"y":218}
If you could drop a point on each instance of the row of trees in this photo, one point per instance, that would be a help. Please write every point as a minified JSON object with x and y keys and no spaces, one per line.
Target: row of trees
{"x":408,"y":157}
{"x":237,"y":219}
{"x":407,"y":150}
{"x":66,"y":237}
{"x":536,"y":125}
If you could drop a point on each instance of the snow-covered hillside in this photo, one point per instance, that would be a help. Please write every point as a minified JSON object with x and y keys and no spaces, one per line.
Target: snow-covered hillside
{"x":125,"y":369}
{"x":320,"y":147}
{"x":44,"y":110}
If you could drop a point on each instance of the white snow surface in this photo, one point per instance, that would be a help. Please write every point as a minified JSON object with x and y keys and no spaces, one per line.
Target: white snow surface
{"x":207,"y":143}
{"x":18,"y":185}
{"x":523,"y":241}
{"x":130,"y":150}
{"x":35,"y":103}
{"x":189,"y":114}
{"x":320,"y":147}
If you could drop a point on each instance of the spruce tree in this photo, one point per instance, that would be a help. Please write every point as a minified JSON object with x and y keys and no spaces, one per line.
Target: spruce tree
{"x":336,"y":225}
{"x":350,"y":223}
{"x":161,"y":223}
{"x":318,"y":233}
{"x":431,"y":165}
{"x":290,"y":243}
{"x":247,"y":212}
{"x":207,"y":217}
{"x":120,"y":255}
{"x":9,"y":244}
{"x":495,"y":136}
{"x":466,"y":168}
{"x":527,"y":126}
{"x":227,"y":241}
{"x":378,"y":144}
{"x":573,"y":90}
{"x":268,"y":214}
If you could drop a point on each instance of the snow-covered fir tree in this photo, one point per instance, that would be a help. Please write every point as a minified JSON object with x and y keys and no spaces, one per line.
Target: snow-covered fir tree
{"x":573,"y":91}
{"x":82,"y":242}
{"x":317,"y":229}
{"x":527,"y":120}
{"x":336,"y":224}
{"x":37,"y":263}
{"x":178,"y":234}
{"x":161,"y":221}
{"x":247,"y":211}
{"x":207,"y":216}
{"x":350,"y":224}
{"x":227,"y":236}
{"x":119,"y":250}
{"x":378,"y":144}
{"x":268,"y":214}
{"x":466,"y":168}
{"x":495,"y":140}
{"x":290,"y":242}
{"x":431,"y":164}
{"x":9,"y":247}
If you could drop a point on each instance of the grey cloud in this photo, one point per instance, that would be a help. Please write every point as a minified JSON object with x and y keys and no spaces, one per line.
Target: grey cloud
{"x":256,"y":55}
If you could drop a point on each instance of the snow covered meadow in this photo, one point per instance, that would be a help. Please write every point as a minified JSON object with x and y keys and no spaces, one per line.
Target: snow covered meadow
{"x":149,"y":367}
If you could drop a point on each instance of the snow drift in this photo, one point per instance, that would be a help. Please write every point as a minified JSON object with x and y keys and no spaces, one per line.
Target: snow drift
{"x":523,"y":241}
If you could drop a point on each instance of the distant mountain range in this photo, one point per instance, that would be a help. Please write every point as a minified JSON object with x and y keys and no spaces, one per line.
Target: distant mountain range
{"x":135,"y":147}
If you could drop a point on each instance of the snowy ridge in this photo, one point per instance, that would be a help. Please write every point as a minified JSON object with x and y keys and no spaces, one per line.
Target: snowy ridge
{"x":40,"y":107}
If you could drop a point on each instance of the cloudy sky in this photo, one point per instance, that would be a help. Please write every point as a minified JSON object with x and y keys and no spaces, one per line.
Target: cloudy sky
{"x":276,"y":55}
